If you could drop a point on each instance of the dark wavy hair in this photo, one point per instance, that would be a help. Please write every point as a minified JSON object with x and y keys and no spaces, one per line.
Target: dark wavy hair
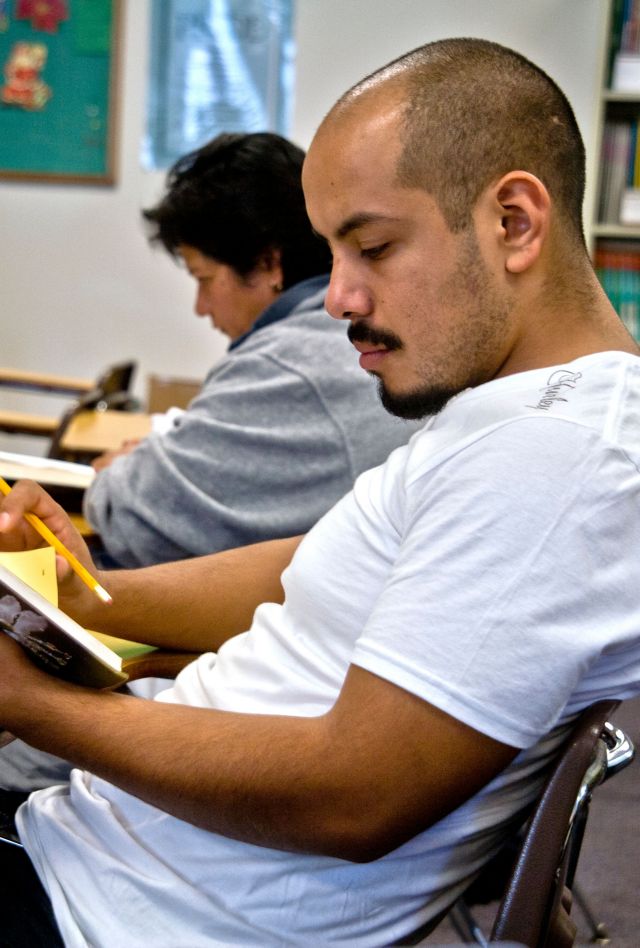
{"x":238,"y":199}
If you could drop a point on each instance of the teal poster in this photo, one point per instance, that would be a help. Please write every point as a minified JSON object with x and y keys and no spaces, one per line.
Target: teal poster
{"x":57,"y":72}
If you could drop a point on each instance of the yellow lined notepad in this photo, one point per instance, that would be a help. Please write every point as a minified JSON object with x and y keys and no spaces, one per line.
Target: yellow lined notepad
{"x":37,"y":568}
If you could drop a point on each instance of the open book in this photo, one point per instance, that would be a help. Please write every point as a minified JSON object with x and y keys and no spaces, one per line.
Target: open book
{"x":64,"y":480}
{"x":52,"y":639}
{"x":47,"y":471}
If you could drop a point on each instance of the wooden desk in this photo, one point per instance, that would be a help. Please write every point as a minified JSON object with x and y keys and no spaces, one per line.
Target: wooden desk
{"x":44,"y":382}
{"x":93,"y":432}
{"x":22,"y":422}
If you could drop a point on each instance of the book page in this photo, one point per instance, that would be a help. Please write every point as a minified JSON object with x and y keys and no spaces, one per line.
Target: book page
{"x":45,"y":470}
{"x":37,"y":568}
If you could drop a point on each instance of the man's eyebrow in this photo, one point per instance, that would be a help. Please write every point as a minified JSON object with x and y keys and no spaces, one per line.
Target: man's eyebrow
{"x":354,"y":223}
{"x":360,"y":220}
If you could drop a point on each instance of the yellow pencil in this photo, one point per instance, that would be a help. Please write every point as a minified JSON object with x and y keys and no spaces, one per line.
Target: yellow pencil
{"x":60,"y":548}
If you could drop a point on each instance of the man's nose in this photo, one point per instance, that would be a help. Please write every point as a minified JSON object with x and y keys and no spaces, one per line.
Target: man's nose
{"x":347,"y":296}
{"x":201,"y":305}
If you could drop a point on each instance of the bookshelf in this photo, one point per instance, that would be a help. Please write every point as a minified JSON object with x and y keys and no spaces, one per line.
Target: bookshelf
{"x":615,"y":231}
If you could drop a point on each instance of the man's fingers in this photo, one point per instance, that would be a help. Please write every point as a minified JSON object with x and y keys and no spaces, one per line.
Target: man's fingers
{"x":28,"y":497}
{"x":63,"y":570}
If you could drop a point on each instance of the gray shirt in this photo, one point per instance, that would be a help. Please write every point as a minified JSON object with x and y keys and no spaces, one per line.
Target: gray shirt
{"x":282,"y":427}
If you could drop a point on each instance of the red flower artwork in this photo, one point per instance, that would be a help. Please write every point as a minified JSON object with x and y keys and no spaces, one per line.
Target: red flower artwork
{"x":45,"y":15}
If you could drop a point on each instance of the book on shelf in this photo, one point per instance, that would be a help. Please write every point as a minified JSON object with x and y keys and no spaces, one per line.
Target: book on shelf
{"x":55,"y":642}
{"x":624,"y":57}
{"x":620,"y":168}
{"x":617,"y":265}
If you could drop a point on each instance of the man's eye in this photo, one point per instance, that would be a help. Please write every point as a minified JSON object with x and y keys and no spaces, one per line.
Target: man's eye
{"x":372,"y":253}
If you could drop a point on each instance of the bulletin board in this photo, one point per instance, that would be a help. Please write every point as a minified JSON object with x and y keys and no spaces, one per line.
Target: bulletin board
{"x":58,"y":83}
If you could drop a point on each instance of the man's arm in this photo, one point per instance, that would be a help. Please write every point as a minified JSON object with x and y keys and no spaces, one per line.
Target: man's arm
{"x":355,"y":783}
{"x":194,"y":604}
{"x":191,"y":604}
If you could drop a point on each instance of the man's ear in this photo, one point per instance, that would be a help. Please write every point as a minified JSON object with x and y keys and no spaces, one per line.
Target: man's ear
{"x":524,"y":206}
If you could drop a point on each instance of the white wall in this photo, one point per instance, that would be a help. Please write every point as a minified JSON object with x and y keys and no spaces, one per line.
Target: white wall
{"x":79,"y":285}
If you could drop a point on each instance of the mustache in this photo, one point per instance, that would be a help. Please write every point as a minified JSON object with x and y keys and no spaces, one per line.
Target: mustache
{"x":361,"y":332}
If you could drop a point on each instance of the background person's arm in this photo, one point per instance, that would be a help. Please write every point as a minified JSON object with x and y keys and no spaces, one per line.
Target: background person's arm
{"x":103,"y":461}
{"x":239,"y":467}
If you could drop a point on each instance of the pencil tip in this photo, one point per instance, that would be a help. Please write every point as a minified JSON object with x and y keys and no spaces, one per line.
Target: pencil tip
{"x":104,"y":595}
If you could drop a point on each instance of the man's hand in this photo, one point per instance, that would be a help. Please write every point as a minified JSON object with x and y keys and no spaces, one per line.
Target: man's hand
{"x":16,"y":533}
{"x":194,"y":604}
{"x":17,"y":671}
{"x":16,"y":681}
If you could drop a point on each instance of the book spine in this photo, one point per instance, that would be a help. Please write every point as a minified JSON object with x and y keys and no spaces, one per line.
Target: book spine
{"x":617,"y":266}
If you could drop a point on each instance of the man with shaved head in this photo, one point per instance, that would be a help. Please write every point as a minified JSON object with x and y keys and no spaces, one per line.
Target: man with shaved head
{"x":457,"y":175}
{"x":340,"y":772}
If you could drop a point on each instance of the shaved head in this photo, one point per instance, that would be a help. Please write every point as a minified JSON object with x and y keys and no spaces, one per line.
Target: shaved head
{"x":471,"y":111}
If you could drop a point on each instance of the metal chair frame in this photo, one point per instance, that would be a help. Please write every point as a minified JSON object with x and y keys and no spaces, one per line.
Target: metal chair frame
{"x":535,"y":906}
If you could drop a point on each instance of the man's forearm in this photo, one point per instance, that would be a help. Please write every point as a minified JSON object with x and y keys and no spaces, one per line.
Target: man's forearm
{"x":192,"y":604}
{"x":236,"y":774}
{"x":276,"y":781}
{"x":354,"y":783}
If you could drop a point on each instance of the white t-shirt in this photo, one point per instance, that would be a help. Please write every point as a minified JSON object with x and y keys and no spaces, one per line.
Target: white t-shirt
{"x":490,"y":567}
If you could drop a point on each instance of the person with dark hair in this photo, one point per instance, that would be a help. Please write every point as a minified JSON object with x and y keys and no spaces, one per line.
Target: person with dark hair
{"x":388,"y":691}
{"x":239,"y":201}
{"x":284,"y":423}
